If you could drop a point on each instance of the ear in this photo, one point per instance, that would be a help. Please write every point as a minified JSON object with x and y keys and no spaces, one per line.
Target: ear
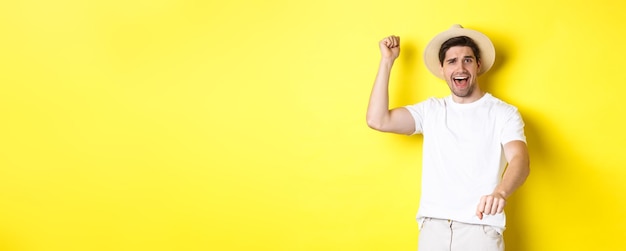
{"x":441,"y":70}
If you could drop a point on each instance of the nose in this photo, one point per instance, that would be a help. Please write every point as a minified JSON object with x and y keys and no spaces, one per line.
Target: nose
{"x":464,"y":67}
{"x":461,"y":68}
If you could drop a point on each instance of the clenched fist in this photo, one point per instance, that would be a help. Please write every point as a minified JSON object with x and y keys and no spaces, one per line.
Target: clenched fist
{"x":490,"y":204}
{"x":390,"y":47}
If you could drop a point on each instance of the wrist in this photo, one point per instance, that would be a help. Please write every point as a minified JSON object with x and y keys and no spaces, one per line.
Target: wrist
{"x":387,"y":61}
{"x":502,"y":193}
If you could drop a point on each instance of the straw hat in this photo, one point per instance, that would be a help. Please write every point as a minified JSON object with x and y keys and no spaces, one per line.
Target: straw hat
{"x":431,"y":53}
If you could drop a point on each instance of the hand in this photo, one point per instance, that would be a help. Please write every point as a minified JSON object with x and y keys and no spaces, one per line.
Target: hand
{"x":390,"y":47}
{"x":490,"y":204}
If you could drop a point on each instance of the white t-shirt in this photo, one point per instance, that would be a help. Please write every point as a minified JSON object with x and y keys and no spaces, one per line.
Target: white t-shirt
{"x":463,"y":157}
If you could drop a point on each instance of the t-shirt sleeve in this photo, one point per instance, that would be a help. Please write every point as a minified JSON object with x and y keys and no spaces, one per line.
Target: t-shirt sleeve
{"x":513,"y":128}
{"x":417,"y":111}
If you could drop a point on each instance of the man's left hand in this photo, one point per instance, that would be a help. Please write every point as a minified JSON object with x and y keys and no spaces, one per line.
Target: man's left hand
{"x":490,"y":204}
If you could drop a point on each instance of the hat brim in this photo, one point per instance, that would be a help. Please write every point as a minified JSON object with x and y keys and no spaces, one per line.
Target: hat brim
{"x":431,"y":53}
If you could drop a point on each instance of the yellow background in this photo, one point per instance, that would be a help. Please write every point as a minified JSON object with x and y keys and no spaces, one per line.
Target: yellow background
{"x":240,"y":125}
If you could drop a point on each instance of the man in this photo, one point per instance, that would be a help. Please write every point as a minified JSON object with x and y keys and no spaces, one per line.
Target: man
{"x":474,"y":150}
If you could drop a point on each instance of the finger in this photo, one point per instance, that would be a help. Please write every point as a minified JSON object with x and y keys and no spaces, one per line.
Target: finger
{"x":495,"y":206}
{"x":501,"y":206}
{"x":387,"y":42}
{"x":397,"y":40}
{"x":480,"y":208}
{"x":390,"y":42}
{"x":488,"y":205}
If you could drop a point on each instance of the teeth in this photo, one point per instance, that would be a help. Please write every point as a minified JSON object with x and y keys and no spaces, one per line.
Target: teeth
{"x":460,"y":78}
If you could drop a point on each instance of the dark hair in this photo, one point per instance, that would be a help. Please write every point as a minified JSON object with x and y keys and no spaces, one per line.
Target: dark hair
{"x":458,"y":41}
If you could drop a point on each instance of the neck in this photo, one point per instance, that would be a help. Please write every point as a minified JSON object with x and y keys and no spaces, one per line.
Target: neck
{"x":476,"y":95}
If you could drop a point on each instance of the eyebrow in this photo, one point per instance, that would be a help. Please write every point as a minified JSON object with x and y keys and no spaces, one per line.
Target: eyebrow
{"x":464,"y":57}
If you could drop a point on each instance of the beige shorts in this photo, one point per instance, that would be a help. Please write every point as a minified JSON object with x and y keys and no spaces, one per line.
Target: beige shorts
{"x":448,"y":235}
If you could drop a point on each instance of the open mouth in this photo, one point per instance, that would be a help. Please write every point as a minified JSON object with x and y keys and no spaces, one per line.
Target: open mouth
{"x":460,"y":81}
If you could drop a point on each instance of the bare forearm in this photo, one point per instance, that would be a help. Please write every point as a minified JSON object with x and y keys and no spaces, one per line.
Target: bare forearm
{"x":378,"y":107}
{"x":514,"y":176}
{"x":379,"y":116}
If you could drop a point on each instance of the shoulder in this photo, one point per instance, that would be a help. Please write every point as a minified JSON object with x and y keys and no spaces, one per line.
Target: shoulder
{"x":499,"y":104}
{"x":433,"y":102}
{"x":504,"y":112}
{"x":427,"y":106}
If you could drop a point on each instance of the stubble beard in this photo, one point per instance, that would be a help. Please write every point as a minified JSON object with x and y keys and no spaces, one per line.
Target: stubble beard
{"x":462,"y":93}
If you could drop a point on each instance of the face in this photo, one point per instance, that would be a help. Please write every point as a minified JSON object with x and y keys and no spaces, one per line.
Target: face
{"x":460,"y":70}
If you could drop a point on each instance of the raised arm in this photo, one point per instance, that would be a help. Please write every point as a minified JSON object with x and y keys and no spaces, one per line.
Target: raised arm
{"x":379,"y":116}
{"x":516,"y":154}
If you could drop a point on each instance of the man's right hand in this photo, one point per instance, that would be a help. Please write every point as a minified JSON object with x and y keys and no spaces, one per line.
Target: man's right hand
{"x":379,"y":117}
{"x":390,"y":47}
